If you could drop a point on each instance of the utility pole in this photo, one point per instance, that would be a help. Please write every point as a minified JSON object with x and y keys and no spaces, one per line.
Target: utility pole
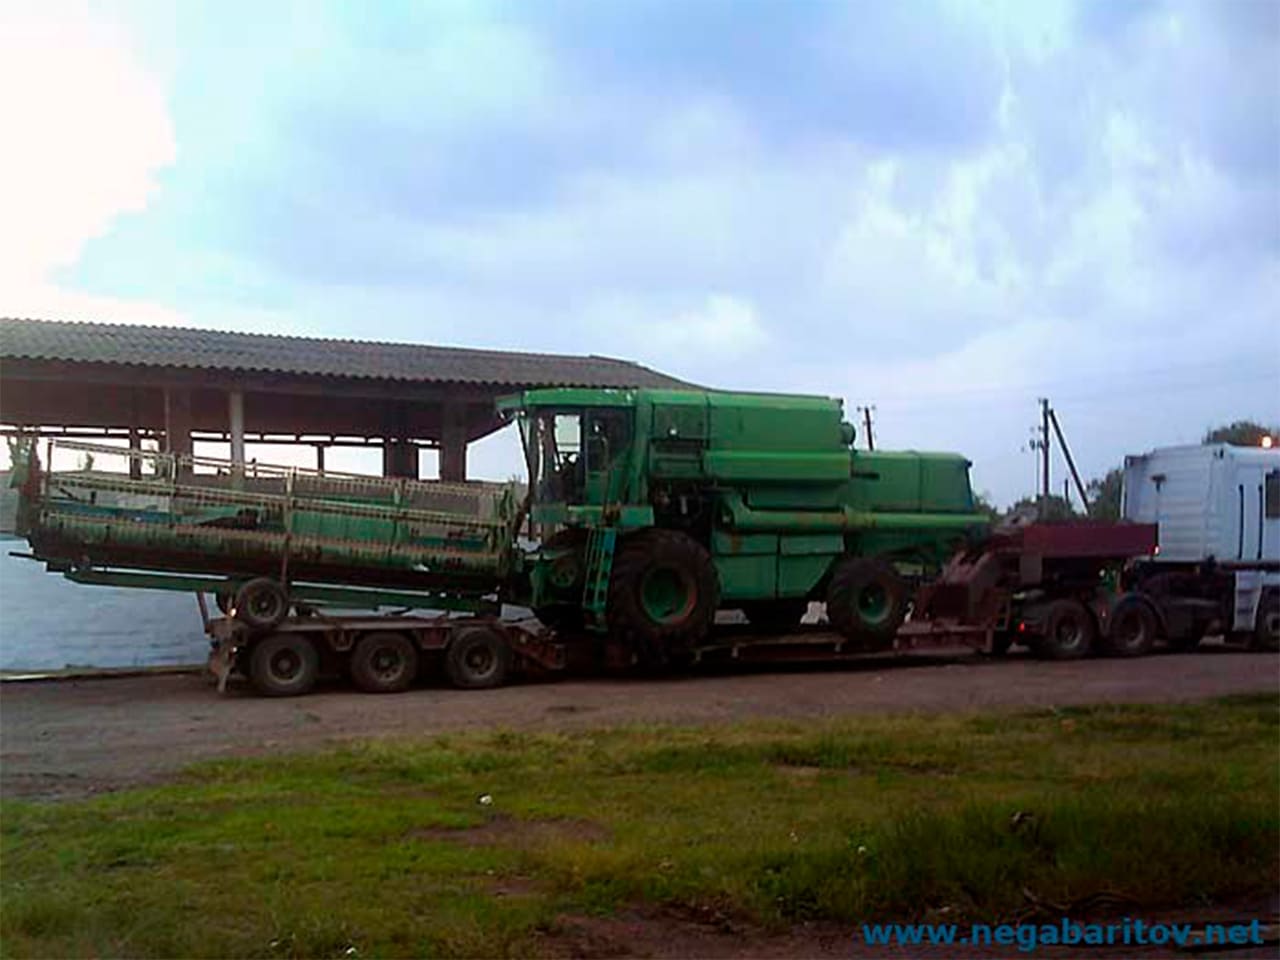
{"x":866,"y":421}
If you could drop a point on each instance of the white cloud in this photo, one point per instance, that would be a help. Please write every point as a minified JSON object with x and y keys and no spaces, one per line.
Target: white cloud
{"x":86,"y":131}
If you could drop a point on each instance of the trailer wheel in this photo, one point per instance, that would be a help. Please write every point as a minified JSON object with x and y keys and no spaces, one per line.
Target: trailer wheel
{"x":1069,"y":631}
{"x":1133,"y":629}
{"x":384,"y":662}
{"x":775,"y":614}
{"x":867,"y":602}
{"x":283,"y":665}
{"x":1266,"y":631}
{"x":262,"y":604}
{"x":663,"y":593}
{"x":478,"y":657}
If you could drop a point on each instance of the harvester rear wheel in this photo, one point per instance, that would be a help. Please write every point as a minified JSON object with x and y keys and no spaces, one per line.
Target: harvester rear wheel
{"x":663,"y":594}
{"x":867,"y":602}
{"x":384,"y":662}
{"x":567,"y":574}
{"x":283,"y":665}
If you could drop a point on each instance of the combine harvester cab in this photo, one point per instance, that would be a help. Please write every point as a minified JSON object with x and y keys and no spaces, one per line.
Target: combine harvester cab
{"x":269,"y":541}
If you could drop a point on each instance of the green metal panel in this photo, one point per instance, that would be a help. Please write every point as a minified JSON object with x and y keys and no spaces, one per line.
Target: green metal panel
{"x":747,"y":577}
{"x":824,"y":544}
{"x":798,"y":575}
{"x":788,"y":496}
{"x":726,"y":543}
{"x":744,"y":466}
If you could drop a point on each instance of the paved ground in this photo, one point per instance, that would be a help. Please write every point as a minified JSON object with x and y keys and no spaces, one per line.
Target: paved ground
{"x":69,"y":738}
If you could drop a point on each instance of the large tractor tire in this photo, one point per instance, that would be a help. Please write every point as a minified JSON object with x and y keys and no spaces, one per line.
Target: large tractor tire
{"x":775,"y":616}
{"x":663,"y":594}
{"x":384,"y":662}
{"x":1133,"y":628}
{"x":867,"y":602}
{"x":1266,"y":631}
{"x":283,"y":665}
{"x":1069,"y":631}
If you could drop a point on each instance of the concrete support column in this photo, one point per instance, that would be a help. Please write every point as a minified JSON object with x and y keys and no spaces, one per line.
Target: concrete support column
{"x":320,"y":448}
{"x":399,"y":459}
{"x":135,"y":465}
{"x":235,"y":423}
{"x":177,"y":426}
{"x":453,"y":446}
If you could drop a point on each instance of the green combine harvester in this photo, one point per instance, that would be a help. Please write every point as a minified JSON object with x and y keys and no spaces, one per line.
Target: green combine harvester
{"x":646,"y":512}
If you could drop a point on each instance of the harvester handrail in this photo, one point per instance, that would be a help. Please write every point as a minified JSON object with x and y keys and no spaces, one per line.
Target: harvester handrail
{"x":254,"y":468}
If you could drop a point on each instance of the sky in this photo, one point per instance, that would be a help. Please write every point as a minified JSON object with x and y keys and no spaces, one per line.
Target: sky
{"x":943,"y":209}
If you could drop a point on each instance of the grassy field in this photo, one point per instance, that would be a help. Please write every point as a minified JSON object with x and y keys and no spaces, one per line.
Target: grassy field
{"x":467,"y":845}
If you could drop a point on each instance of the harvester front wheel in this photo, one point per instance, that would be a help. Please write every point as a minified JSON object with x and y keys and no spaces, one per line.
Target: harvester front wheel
{"x":663,"y":593}
{"x":867,"y":602}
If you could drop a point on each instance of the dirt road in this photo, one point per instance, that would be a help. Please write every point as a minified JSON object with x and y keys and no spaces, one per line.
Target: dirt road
{"x":70,"y":738}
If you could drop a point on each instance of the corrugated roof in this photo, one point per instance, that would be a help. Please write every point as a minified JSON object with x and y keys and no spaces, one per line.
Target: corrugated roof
{"x":183,"y":347}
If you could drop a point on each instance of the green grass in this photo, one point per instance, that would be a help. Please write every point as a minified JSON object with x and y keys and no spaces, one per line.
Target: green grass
{"x":384,"y":847}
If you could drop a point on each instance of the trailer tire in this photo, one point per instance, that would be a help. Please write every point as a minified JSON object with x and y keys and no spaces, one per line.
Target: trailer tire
{"x":775,"y":614}
{"x":283,"y":665}
{"x":384,"y":662}
{"x":477,"y":658}
{"x":262,"y":604}
{"x":1266,"y":629}
{"x":663,"y":594}
{"x":1133,"y":629}
{"x":1069,"y":631}
{"x":867,"y":602}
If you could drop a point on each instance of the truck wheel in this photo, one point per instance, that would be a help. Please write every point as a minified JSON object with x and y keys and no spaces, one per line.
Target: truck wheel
{"x":775,"y":614}
{"x":1133,"y":629}
{"x":663,"y":593}
{"x":1068,"y":632}
{"x":262,"y":604}
{"x":478,"y":657}
{"x":1266,"y":630}
{"x":867,"y":602}
{"x":283,"y":665}
{"x":384,"y":662}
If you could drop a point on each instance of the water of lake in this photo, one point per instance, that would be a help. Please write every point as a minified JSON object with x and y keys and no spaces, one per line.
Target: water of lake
{"x":47,"y":622}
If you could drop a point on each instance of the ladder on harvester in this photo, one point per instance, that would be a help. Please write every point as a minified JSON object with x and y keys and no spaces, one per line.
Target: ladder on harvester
{"x":595,"y":595}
